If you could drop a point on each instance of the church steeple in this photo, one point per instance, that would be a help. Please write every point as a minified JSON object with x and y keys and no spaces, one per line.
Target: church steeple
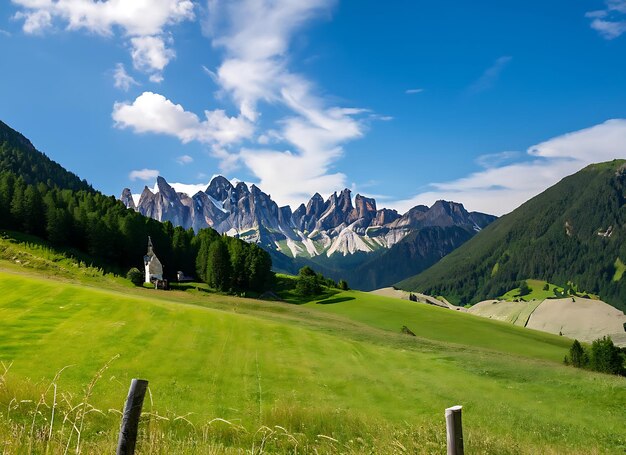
{"x":154,"y":269}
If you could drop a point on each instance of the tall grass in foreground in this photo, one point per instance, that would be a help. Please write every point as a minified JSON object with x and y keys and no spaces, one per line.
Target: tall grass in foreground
{"x":42,"y":419}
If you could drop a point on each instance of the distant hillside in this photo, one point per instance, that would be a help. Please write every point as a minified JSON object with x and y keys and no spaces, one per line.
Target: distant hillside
{"x":19,"y":156}
{"x":368,"y":271}
{"x":40,"y":198}
{"x":573,"y":232}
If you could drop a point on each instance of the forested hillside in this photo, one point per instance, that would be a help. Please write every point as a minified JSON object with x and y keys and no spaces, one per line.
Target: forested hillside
{"x":19,"y":156}
{"x":39,"y":197}
{"x":574,"y":232}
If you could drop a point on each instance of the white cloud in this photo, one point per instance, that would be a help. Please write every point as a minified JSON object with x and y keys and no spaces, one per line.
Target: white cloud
{"x":122,"y":79}
{"x":143,"y":22}
{"x":143,"y":174}
{"x":609,"y":29}
{"x":5,"y":33}
{"x":610,"y":22}
{"x":190,"y":189}
{"x":501,"y":189}
{"x":491,"y":75}
{"x":150,"y":55}
{"x":296,"y":155}
{"x":413,"y":91}
{"x":255,"y":36}
{"x":291,"y":178}
{"x":184,"y":159}
{"x":153,"y":113}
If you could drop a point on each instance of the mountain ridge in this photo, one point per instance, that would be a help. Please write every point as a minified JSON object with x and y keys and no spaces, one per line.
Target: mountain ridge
{"x":321,"y":227}
{"x":574,"y":232}
{"x":342,"y":239}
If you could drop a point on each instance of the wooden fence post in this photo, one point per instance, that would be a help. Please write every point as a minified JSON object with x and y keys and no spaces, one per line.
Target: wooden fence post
{"x":454,"y":430}
{"x":130,"y":419}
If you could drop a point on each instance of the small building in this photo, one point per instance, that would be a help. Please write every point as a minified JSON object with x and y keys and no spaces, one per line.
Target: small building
{"x":154,"y":269}
{"x":182,"y":278}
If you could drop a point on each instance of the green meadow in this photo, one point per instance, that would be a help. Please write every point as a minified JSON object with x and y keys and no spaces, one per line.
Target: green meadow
{"x":235,"y":375}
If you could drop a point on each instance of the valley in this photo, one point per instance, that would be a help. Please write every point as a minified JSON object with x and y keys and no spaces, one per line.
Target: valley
{"x":308,"y":365}
{"x":328,"y":227}
{"x":311,"y":369}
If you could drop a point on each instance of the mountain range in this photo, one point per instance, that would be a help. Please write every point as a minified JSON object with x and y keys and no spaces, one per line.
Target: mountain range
{"x":334,"y":235}
{"x":573,"y":234}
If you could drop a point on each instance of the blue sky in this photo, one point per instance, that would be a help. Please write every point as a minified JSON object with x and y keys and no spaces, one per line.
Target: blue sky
{"x":485,"y":102}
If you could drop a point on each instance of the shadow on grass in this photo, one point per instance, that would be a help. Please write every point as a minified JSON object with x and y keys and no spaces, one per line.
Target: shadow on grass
{"x":335,"y":300}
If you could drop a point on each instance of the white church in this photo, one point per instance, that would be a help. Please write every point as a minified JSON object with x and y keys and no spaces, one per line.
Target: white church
{"x":154,"y":269}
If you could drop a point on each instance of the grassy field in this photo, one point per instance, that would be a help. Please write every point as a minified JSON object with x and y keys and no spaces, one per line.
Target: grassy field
{"x":332,"y":376}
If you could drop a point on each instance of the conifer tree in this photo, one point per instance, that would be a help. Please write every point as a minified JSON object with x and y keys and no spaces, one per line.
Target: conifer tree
{"x":218,"y":266}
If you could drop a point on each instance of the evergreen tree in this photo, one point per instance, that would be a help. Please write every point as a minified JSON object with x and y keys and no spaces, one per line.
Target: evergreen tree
{"x":259,"y":268}
{"x":218,"y":267}
{"x":605,"y":357}
{"x":7,"y":181}
{"x":577,"y":355}
{"x":33,"y":212}
{"x":308,"y":283}
{"x":17,"y":203}
{"x":240,"y":272}
{"x":201,"y":243}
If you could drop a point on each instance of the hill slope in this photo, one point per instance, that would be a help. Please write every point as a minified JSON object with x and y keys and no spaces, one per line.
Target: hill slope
{"x":19,"y":156}
{"x":573,"y":232}
{"x":313,"y":370}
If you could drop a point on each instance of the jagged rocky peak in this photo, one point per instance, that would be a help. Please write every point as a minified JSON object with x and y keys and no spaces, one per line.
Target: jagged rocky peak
{"x":165,"y":190}
{"x":241,"y":189}
{"x":447,"y":213}
{"x":316,"y":205}
{"x":127,"y":199}
{"x":336,"y":225}
{"x":345,"y":201}
{"x":219,"y":188}
{"x":385,"y":216}
{"x":146,"y":194}
{"x":300,"y":211}
{"x":284,"y":215}
{"x":365,"y":206}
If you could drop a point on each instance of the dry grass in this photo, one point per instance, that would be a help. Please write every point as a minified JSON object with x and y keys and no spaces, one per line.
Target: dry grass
{"x":55,"y":424}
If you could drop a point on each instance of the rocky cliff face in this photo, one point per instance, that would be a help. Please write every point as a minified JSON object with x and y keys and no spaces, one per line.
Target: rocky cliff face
{"x":321,"y":227}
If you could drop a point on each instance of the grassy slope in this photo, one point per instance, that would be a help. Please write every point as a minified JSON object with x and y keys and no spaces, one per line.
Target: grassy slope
{"x":531,"y":242}
{"x":537,"y":292}
{"x":440,"y":324}
{"x":313,"y":369}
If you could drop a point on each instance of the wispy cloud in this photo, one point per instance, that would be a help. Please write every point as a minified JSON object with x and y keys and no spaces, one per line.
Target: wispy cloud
{"x":413,"y":91}
{"x":121,"y":79}
{"x":143,"y":174}
{"x":5,"y":33}
{"x":491,"y":75}
{"x":610,"y":22}
{"x":255,"y":36}
{"x":291,"y":158}
{"x":184,"y":159}
{"x":500,"y":189}
{"x":143,"y":24}
{"x":492,"y":160}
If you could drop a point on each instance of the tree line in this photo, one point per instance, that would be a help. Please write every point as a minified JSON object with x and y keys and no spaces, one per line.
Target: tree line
{"x":116,"y":237}
{"x":602,"y":356}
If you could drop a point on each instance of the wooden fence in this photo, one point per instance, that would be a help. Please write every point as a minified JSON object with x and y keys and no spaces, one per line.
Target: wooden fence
{"x":137,"y":392}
